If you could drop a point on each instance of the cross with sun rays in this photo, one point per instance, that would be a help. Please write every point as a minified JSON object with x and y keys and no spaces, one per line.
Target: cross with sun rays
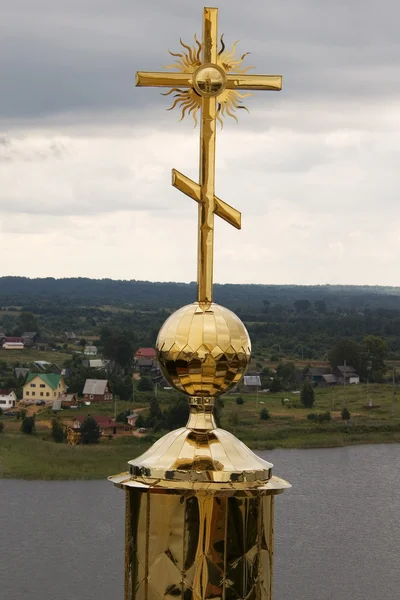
{"x":209,"y":80}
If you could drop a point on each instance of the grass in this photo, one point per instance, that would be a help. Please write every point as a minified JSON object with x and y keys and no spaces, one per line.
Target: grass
{"x":32,"y":457}
{"x":31,"y":355}
{"x":37,"y":457}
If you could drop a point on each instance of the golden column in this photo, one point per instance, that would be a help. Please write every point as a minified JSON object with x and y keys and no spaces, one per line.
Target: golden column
{"x":199,"y":503}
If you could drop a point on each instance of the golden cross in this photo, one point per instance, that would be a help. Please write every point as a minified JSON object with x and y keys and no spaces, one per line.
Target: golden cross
{"x":207,"y":80}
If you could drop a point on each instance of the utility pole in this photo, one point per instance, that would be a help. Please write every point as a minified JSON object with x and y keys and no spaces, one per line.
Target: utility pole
{"x":393,"y":392}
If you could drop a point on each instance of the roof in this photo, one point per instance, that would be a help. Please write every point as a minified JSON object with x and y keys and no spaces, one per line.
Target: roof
{"x":144,"y":362}
{"x":101,"y":420}
{"x":67,"y":397}
{"x":14,"y":340}
{"x":30,"y":334}
{"x":145,"y":353}
{"x":252,"y":380}
{"x":315,"y":371}
{"x":328,"y":378}
{"x":96,"y":387}
{"x":6,"y":392}
{"x":52,"y":379}
{"x":21,"y":372}
{"x":347,"y":369}
{"x":97,"y":363}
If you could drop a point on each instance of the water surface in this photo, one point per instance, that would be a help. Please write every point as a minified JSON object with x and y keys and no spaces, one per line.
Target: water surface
{"x":337,"y":531}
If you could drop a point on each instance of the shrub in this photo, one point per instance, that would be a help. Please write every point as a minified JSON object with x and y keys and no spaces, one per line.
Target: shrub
{"x":1,"y":411}
{"x":1,"y":427}
{"x":345,"y":414}
{"x":307,"y":395}
{"x":90,"y":431}
{"x":57,"y":431}
{"x":239,"y":400}
{"x":264,"y":414}
{"x":320,"y":417}
{"x":28,"y":425}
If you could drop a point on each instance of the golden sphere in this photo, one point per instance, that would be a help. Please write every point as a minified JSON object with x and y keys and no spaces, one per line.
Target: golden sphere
{"x":203,"y":349}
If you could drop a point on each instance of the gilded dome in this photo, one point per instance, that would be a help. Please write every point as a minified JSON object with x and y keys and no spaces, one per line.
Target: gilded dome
{"x":203,"y":349}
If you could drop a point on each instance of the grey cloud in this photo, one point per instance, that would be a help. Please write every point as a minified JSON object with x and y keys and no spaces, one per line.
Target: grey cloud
{"x":57,"y":57}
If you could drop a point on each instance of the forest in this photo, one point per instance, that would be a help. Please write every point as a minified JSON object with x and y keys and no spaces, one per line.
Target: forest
{"x":302,"y":322}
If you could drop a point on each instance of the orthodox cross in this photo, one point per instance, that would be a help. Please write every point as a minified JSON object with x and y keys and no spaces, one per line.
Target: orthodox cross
{"x":209,"y":81}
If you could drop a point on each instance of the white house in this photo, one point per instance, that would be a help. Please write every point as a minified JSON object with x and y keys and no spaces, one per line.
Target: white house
{"x":8,"y":399}
{"x":90,"y":350}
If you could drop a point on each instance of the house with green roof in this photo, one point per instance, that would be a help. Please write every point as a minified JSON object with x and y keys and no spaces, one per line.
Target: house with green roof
{"x":43,"y":386}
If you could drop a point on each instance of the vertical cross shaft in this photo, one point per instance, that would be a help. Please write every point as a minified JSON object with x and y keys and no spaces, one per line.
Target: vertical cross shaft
{"x":207,"y":166}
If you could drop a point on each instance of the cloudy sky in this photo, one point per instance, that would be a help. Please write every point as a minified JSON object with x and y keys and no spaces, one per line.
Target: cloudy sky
{"x":85,"y":157}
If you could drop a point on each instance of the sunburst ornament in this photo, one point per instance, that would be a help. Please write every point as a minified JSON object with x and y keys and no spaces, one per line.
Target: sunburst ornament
{"x":209,"y":80}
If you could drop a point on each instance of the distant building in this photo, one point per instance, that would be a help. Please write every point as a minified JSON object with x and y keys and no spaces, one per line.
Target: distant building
{"x":90,"y":351}
{"x":107,"y":425}
{"x":70,"y":335}
{"x":47,"y":367}
{"x":251,"y":383}
{"x":346,"y":374}
{"x":13,"y":343}
{"x":95,"y":363}
{"x":145,"y":365}
{"x":146,"y":353}
{"x":97,"y":390}
{"x":67,"y":400}
{"x":8,"y":399}
{"x":21,"y":372}
{"x":30,"y":338}
{"x":315,"y":374}
{"x":132,"y":419}
{"x":43,"y":386}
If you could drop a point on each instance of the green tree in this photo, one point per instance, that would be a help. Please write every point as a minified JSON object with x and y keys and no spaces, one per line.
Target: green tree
{"x":239,"y":400}
{"x":276,"y":385}
{"x":374,"y":353}
{"x":145,"y":384}
{"x":90,"y":431}
{"x":57,"y":431}
{"x":345,"y":414}
{"x":347,"y":350}
{"x":1,"y":426}
{"x":264,"y":414}
{"x":177,"y":414}
{"x":27,"y":322}
{"x":118,"y":348}
{"x":1,"y":411}
{"x":28,"y":425}
{"x":286,"y":371}
{"x":302,"y":305}
{"x":307,"y":395}
{"x":320,"y":306}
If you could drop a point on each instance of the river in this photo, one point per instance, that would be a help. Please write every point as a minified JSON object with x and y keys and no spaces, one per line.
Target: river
{"x":337,"y":531}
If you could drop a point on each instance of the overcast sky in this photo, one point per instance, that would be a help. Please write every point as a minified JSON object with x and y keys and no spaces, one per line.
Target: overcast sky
{"x":85,"y":157}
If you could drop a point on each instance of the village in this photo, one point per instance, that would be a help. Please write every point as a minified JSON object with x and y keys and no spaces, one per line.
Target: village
{"x":44,"y":392}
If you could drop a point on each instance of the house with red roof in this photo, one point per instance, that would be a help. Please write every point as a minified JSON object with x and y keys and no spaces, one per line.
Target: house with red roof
{"x":107,"y":425}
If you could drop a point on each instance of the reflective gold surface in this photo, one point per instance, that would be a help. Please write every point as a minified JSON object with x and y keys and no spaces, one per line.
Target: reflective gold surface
{"x":200,"y":548}
{"x":210,"y":79}
{"x":203,"y":350}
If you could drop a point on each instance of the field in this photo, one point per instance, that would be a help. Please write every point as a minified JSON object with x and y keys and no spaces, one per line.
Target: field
{"x":31,"y":355}
{"x":37,"y":457}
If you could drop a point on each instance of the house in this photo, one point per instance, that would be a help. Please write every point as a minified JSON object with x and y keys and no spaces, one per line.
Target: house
{"x":346,"y":374}
{"x":146,"y":353}
{"x":95,"y":363}
{"x":107,"y":425}
{"x":97,"y":390}
{"x":328,"y":380}
{"x":145,"y":365}
{"x":131,"y":419}
{"x":315,"y":374}
{"x":13,"y":343}
{"x":43,"y":386}
{"x":70,"y":335}
{"x":90,"y":351}
{"x":47,"y":367}
{"x":252,"y":383}
{"x":30,"y":338}
{"x":8,"y":399}
{"x":67,"y":400}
